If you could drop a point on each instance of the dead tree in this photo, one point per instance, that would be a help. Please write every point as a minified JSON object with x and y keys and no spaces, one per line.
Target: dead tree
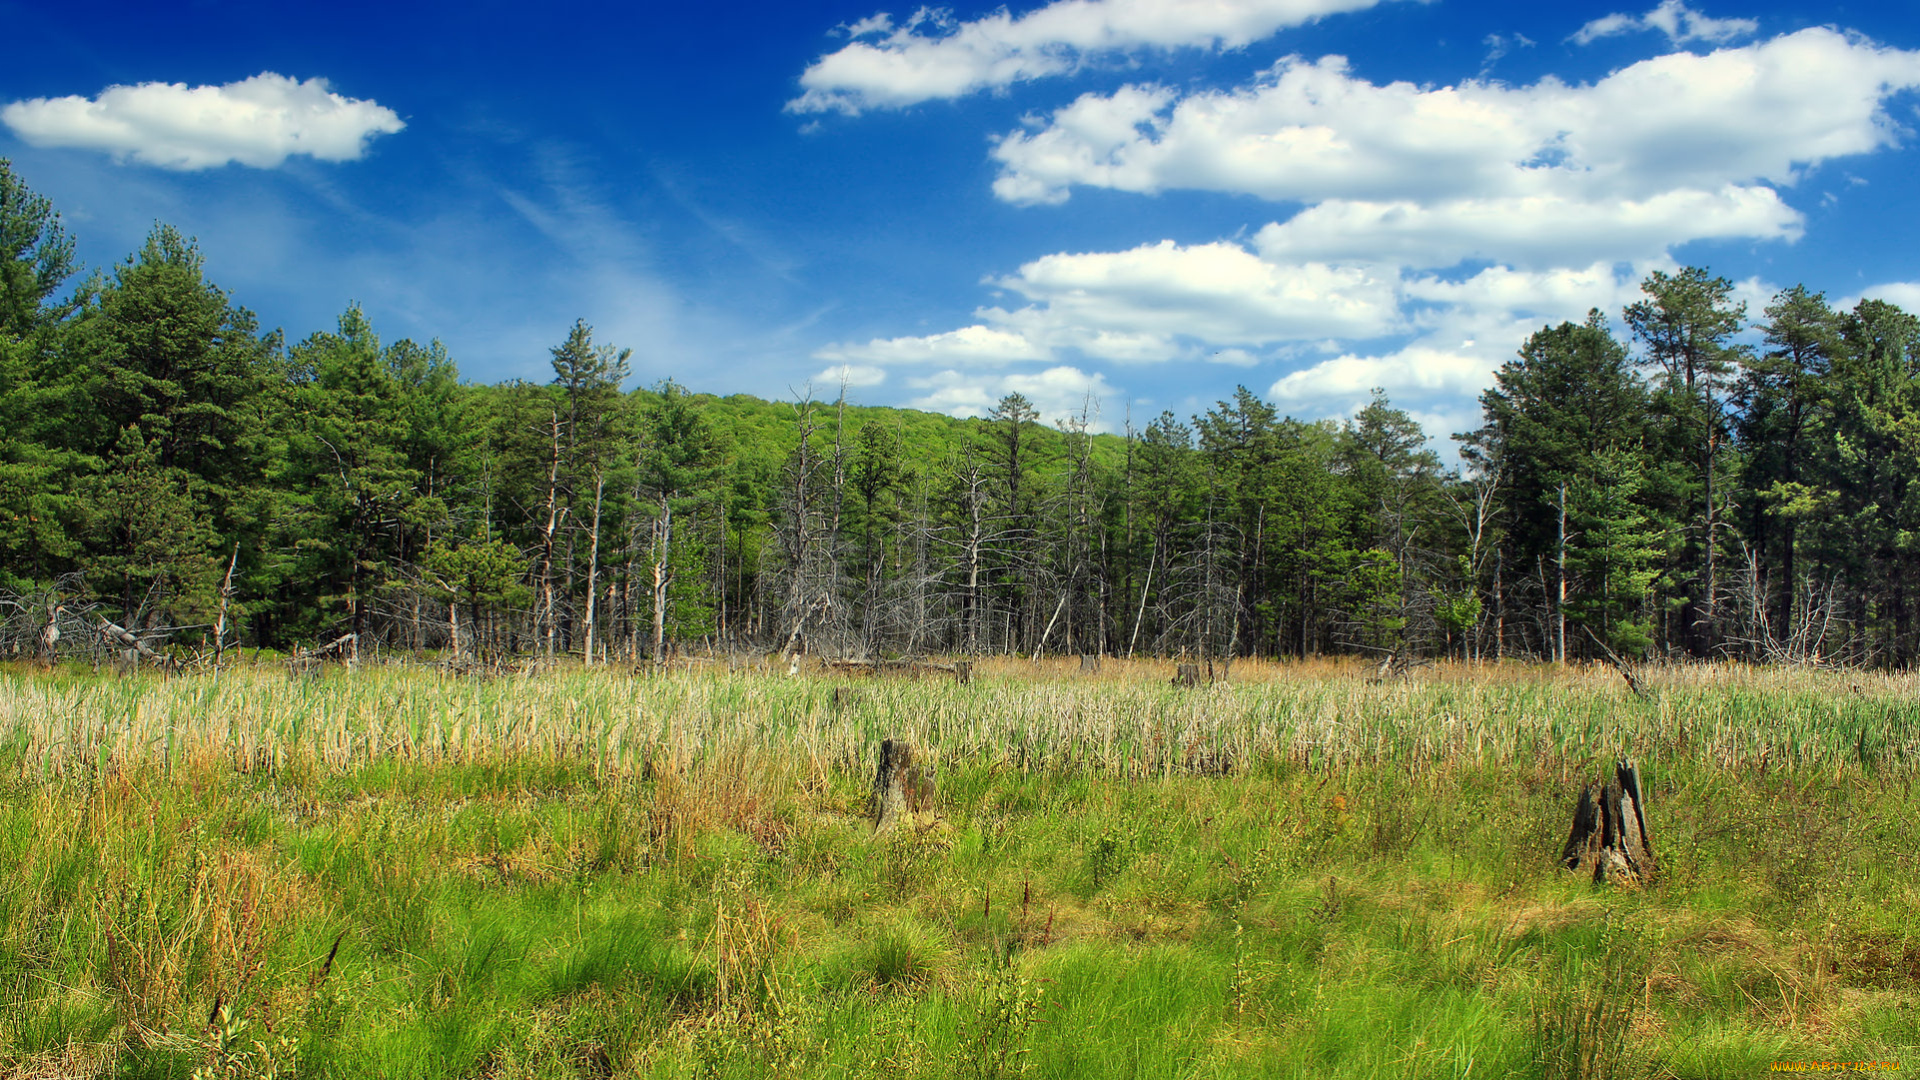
{"x":344,"y":648}
{"x":136,"y":647}
{"x":50,"y":635}
{"x":1609,"y":837}
{"x":901,"y":786}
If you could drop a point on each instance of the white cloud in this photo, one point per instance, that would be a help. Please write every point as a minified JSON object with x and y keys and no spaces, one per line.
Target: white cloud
{"x":1464,"y":331}
{"x":1056,"y":393}
{"x":1536,"y":231}
{"x":259,"y":121}
{"x":1406,"y":194}
{"x":932,"y":56}
{"x":972,"y":345}
{"x":1150,"y":304}
{"x":850,"y":375}
{"x":1904,"y":294}
{"x":1218,"y":292}
{"x":1673,"y":18}
{"x":1428,"y":371}
{"x":1311,"y":131}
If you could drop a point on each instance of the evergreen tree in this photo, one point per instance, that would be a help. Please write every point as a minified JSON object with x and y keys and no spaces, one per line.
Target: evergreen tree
{"x":1685,"y":326}
{"x":1781,"y":405}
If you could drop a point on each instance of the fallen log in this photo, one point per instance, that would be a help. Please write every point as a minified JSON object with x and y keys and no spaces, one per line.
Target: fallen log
{"x":341,"y":648}
{"x":961,"y":670}
{"x":136,"y":647}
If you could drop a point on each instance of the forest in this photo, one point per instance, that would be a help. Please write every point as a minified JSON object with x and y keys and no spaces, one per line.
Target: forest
{"x":177,"y":482}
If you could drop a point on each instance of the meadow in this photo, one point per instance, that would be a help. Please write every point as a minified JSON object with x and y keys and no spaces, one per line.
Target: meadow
{"x":590,"y":873}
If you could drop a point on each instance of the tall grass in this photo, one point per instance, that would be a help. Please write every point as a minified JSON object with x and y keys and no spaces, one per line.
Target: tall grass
{"x":587,"y":873}
{"x":1126,"y":722}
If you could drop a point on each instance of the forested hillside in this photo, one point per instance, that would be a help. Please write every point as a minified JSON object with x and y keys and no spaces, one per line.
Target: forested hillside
{"x":1721,"y":483}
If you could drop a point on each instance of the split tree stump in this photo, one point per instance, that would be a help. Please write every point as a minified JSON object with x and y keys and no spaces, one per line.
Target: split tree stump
{"x":902,"y":786}
{"x":1609,"y":837}
{"x":1187,"y":675}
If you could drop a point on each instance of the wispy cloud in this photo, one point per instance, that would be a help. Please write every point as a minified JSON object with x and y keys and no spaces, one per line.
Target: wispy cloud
{"x":1673,"y":18}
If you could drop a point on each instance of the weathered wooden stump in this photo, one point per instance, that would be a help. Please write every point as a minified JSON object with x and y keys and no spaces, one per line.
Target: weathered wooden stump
{"x":963,"y":671}
{"x":1089,"y":663}
{"x":1187,"y":675}
{"x":1609,"y":836}
{"x":902,"y":787}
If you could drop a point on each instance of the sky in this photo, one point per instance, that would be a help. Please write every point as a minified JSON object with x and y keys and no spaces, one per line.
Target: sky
{"x":1112,"y":206}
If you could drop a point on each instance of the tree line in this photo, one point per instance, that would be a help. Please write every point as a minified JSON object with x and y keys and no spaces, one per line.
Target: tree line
{"x":172,"y":475}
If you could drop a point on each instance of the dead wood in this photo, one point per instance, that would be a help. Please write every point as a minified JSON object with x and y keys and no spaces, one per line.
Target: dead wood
{"x":1609,"y":839}
{"x":961,"y":670}
{"x":304,"y":661}
{"x":1626,"y":670}
{"x":902,"y":786}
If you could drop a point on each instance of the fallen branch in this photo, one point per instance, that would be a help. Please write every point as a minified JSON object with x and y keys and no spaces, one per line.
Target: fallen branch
{"x":115,"y":633}
{"x":1619,"y":665}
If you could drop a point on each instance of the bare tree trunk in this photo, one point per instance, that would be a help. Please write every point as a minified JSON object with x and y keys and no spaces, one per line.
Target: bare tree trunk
{"x":453,"y":627}
{"x":593,"y":565}
{"x":1145,"y":588}
{"x":220,"y":623}
{"x":544,"y":620}
{"x":1560,"y":603}
{"x":1057,"y":608}
{"x":662,"y":574}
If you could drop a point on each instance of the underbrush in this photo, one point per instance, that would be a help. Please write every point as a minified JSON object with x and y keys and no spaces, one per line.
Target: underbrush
{"x":390,"y":875}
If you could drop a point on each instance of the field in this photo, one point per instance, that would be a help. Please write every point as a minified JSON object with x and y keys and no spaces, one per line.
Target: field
{"x":588,"y":873}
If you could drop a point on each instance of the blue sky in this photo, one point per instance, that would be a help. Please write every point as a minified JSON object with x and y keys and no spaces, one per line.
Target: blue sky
{"x":1147,"y":201}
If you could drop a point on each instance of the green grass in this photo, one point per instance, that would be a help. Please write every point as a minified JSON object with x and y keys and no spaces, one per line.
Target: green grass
{"x":586,"y":874}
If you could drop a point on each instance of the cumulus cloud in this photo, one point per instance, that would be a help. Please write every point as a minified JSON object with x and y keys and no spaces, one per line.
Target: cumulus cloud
{"x":1673,"y":18}
{"x":1437,"y":226}
{"x":1535,"y":230}
{"x":1463,"y":331}
{"x":259,"y":122}
{"x":1311,"y":131}
{"x":933,"y":56}
{"x":850,"y":375}
{"x":1903,"y":294}
{"x":1153,"y":303}
{"x":1057,"y":393}
{"x":1218,"y":292}
{"x":972,"y":345}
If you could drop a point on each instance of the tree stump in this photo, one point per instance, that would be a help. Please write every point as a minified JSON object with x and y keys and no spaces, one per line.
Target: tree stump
{"x":1187,"y":675}
{"x":963,"y":671}
{"x":901,"y":786}
{"x":845,"y":697}
{"x":1609,"y":836}
{"x":1089,"y":664}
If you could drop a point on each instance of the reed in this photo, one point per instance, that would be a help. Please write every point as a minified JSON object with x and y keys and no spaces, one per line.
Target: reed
{"x":1294,"y":873}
